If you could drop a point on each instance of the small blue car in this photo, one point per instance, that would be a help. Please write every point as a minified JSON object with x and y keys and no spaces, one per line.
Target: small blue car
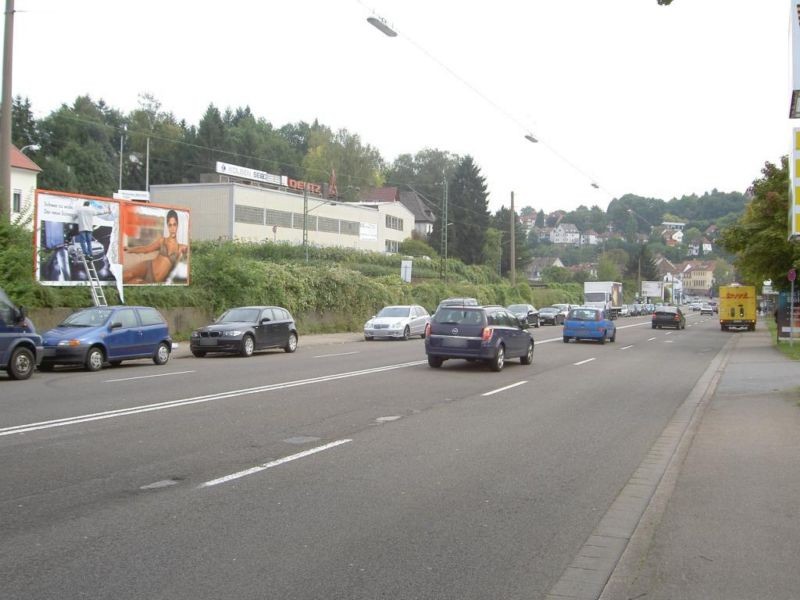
{"x":107,"y":334}
{"x":587,"y":323}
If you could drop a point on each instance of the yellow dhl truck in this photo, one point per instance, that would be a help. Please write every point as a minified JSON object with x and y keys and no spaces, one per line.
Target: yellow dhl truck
{"x":737,"y":307}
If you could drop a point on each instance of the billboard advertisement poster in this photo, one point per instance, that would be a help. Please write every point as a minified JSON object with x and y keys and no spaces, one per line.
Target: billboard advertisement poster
{"x":58,"y":260}
{"x":155,"y":242}
{"x":132,"y":243}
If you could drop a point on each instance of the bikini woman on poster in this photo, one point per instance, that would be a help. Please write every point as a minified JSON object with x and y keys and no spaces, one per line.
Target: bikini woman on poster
{"x":169,"y":253}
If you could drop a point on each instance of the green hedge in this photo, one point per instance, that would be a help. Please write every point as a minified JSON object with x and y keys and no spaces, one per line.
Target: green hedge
{"x":337,"y":290}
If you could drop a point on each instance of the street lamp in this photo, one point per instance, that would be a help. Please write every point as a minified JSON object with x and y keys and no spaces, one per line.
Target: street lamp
{"x":381,"y":25}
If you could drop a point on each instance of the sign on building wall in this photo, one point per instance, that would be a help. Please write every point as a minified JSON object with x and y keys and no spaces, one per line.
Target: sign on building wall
{"x":368,"y":232}
{"x":132,"y":243}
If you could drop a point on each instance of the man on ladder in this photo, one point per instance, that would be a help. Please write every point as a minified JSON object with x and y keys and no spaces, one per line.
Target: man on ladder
{"x":85,"y":216}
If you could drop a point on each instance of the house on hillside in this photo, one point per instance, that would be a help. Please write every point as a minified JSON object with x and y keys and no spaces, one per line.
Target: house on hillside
{"x":424,"y":217}
{"x":699,"y":247}
{"x":697,"y":277}
{"x":589,"y":238}
{"x":536,"y":267}
{"x":565,"y":233}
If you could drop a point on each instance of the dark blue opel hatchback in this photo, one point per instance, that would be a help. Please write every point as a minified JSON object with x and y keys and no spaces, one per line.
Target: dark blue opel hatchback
{"x":490,"y":334}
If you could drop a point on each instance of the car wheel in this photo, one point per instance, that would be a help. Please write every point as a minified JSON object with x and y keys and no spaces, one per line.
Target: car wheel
{"x":435,"y":361}
{"x":528,"y":357}
{"x":566,"y":340}
{"x":94,"y":359}
{"x":291,"y":343}
{"x":499,"y":360}
{"x":603,"y":339}
{"x":406,"y":333}
{"x":654,"y":325}
{"x":248,"y":345}
{"x":22,"y":363}
{"x":422,"y":335}
{"x":162,"y":354}
{"x":198,"y":353}
{"x":613,"y":338}
{"x":536,"y":324}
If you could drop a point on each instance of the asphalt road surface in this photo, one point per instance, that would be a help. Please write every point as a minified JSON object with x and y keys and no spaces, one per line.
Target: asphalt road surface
{"x":343,"y":471}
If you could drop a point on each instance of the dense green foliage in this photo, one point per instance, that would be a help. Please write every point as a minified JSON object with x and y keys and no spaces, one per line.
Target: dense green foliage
{"x":759,"y":238}
{"x":336,"y":290}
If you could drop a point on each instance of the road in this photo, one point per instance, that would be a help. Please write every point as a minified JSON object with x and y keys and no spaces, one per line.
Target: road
{"x":349,"y":471}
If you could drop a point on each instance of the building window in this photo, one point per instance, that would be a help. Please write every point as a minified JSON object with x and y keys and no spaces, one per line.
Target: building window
{"x":392,"y":246}
{"x":16,"y":202}
{"x":394,"y":222}
{"x":248,"y":214}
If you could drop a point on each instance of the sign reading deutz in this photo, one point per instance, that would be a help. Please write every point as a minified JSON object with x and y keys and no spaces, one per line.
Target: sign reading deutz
{"x":737,"y":307}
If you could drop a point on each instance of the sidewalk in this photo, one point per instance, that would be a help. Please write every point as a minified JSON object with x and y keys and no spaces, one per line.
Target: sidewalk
{"x":728,"y":525}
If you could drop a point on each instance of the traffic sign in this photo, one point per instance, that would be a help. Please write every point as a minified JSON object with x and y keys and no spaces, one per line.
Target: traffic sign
{"x":792,"y":275}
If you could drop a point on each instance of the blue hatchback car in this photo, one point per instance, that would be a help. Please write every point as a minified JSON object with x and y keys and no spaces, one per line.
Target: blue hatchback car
{"x":587,"y":323}
{"x":107,"y":334}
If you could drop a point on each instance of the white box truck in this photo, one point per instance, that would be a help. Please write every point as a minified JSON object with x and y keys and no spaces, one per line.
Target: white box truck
{"x":604,"y":294}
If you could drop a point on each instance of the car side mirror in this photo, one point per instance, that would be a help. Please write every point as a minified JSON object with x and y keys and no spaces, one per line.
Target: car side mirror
{"x":116,"y":325}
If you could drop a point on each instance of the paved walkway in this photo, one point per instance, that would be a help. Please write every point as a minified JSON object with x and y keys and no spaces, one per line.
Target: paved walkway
{"x":725,"y":521}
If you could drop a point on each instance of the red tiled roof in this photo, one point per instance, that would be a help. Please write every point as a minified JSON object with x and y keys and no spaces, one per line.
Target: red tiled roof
{"x":384,"y":194}
{"x":20,"y":161}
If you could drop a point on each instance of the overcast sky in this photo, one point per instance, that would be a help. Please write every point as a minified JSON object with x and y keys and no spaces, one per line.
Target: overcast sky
{"x":658,"y":101}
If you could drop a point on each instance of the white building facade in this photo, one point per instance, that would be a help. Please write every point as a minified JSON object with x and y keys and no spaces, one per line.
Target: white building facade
{"x":234,"y":211}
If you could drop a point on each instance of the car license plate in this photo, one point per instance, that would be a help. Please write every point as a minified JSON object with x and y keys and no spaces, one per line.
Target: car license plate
{"x":454,"y":342}
{"x":208,"y":342}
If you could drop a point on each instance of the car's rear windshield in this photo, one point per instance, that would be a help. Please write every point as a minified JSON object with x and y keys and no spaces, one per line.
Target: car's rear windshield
{"x":458,"y":316}
{"x":518,"y":308}
{"x":582,"y":314}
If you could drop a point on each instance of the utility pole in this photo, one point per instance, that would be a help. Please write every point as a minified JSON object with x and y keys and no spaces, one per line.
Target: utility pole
{"x":512,"y":250}
{"x":5,"y":115}
{"x":444,"y":230}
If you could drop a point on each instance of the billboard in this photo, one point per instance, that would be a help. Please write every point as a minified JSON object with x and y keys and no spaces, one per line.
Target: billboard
{"x":652,"y":289}
{"x":131,"y":242}
{"x":155,"y":244}
{"x":794,"y":183}
{"x":56,"y":242}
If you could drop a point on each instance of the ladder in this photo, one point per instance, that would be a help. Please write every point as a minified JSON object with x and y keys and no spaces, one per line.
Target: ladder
{"x":98,"y":295}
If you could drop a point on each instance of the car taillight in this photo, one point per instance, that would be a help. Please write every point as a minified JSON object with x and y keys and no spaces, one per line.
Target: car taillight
{"x":427,"y":330}
{"x":677,"y":318}
{"x":654,"y":316}
{"x":486,"y":335}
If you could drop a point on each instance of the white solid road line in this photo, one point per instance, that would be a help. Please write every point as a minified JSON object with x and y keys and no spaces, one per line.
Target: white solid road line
{"x":626,"y":347}
{"x":148,"y":376}
{"x":124,"y":412}
{"x":337,"y":354}
{"x":583,"y":362}
{"x":503,"y":389}
{"x":274,"y":463}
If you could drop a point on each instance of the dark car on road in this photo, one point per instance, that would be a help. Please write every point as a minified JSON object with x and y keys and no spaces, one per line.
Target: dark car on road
{"x":20,"y":346}
{"x":244,"y":330}
{"x":551,"y":315}
{"x":490,"y":334}
{"x":527,"y":312}
{"x":458,"y":302}
{"x":668,"y":316}
{"x":107,"y":334}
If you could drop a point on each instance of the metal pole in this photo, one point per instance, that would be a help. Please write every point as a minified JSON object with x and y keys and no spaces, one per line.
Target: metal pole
{"x":121,"y":141}
{"x":512,"y":250}
{"x":5,"y":115}
{"x":446,"y":229}
{"x":791,"y":317}
{"x":305,"y":220}
{"x":147,"y":167}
